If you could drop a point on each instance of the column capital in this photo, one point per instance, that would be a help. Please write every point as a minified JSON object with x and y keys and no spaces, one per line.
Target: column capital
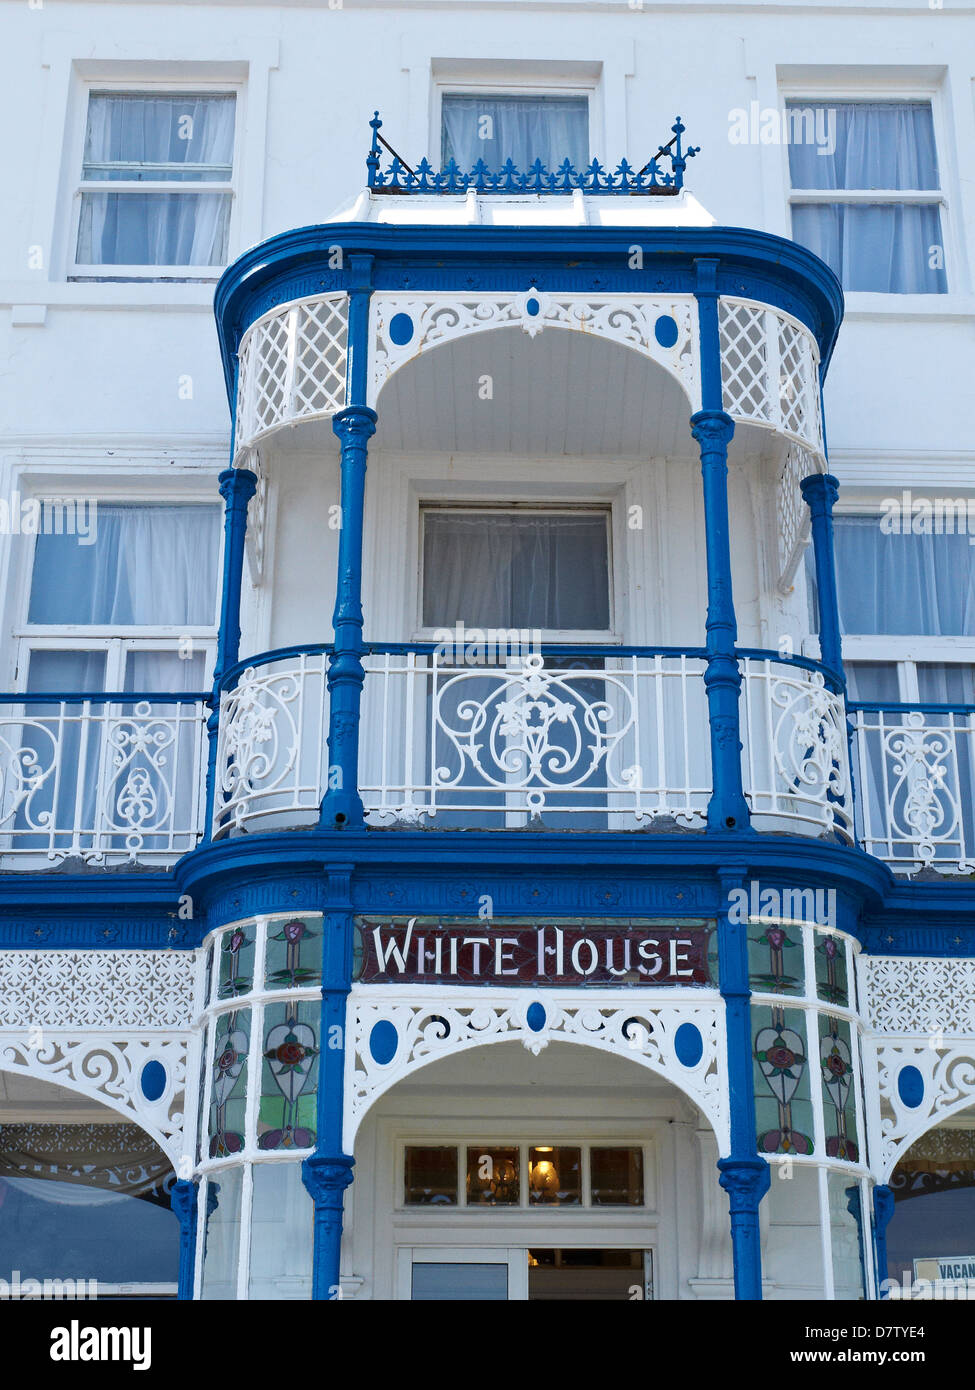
{"x":746,"y":1181}
{"x":182,"y":1199}
{"x":883,"y":1207}
{"x":327,"y":1176}
{"x":821,"y":488}
{"x":712,"y":428}
{"x":355,"y":421}
{"x":237,"y":485}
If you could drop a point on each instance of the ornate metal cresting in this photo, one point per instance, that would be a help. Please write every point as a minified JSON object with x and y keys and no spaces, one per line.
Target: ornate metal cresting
{"x":652,"y":179}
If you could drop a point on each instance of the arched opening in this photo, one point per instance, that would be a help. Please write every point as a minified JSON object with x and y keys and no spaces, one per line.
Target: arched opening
{"x":931,"y":1235}
{"x":84,"y":1198}
{"x":573,"y":1174}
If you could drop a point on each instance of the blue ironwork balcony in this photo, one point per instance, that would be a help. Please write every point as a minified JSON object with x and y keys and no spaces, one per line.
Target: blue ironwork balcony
{"x":626,"y":180}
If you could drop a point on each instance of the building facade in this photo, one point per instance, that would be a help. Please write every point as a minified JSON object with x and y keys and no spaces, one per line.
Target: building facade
{"x":485,"y":793}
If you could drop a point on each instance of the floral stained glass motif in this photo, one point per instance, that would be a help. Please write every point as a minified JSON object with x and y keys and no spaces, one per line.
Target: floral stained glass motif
{"x":208,"y":977}
{"x":783,"y":1109}
{"x":839,"y":1100}
{"x":236,"y":962}
{"x":775,"y":958}
{"x":831,"y":980}
{"x":228,"y":1088}
{"x":294,"y":954}
{"x":289,"y":1075}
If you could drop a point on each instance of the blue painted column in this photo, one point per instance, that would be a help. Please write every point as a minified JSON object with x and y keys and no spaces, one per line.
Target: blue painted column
{"x":820,"y":491}
{"x":342,"y":806}
{"x":183,"y":1201}
{"x":745,"y":1176}
{"x":328,"y":1171}
{"x":713,"y":430}
{"x":883,"y":1210}
{"x":237,"y":487}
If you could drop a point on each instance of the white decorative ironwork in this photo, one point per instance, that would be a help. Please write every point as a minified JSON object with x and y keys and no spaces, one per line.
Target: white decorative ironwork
{"x":919,"y":995}
{"x":271,"y":751}
{"x":916,"y":770}
{"x":795,"y":752}
{"x":639,"y":322}
{"x":943,"y":1084}
{"x":147,"y":990}
{"x":255,"y":537}
{"x":108,"y":1068}
{"x":101,"y":782}
{"x":292,"y":366}
{"x":432,"y":1024}
{"x":770,"y":370}
{"x":612,"y":740}
{"x":792,"y":513}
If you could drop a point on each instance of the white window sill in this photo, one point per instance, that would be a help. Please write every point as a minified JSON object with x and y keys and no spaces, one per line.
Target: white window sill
{"x":860,"y":305}
{"x":95,"y":294}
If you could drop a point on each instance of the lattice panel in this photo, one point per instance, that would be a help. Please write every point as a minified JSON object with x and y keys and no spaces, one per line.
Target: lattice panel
{"x":769,"y":370}
{"x":96,"y":989}
{"x":661,"y":328}
{"x":292,"y":366}
{"x":791,"y":511}
{"x":919,"y":995}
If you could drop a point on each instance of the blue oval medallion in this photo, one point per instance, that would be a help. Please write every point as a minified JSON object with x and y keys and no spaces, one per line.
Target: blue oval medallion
{"x":532,"y":307}
{"x":665,"y":331}
{"x":689,"y":1045}
{"x":153,"y":1080}
{"x":401,"y":329}
{"x":383,"y":1041}
{"x":910,"y":1087}
{"x":535,"y":1017}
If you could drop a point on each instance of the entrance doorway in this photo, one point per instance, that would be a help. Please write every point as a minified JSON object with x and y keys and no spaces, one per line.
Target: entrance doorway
{"x":560,"y":1274}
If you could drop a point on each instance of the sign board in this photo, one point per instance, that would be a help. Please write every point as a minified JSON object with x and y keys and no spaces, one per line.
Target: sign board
{"x":433,"y":950}
{"x":945,"y":1268}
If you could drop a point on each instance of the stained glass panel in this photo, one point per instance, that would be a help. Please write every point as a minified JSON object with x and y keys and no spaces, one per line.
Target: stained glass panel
{"x":289,"y":1075}
{"x":236,"y":962}
{"x":831,"y":976}
{"x":294,"y":953}
{"x":775,"y":957}
{"x":839,"y":1097}
{"x":228,"y":1087}
{"x":783,"y":1109}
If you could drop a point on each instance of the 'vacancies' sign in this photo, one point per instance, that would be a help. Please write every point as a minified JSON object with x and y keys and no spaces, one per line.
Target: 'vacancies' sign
{"x":429,"y":950}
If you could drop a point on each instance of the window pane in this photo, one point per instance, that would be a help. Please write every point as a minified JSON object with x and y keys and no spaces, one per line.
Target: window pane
{"x":877,"y":145}
{"x":221,"y":1237}
{"x":516,"y":571}
{"x":282,"y":1229}
{"x":460,"y":1282}
{"x":616,"y":1177}
{"x":133,"y":136}
{"x":522,"y":129}
{"x":909,"y":585}
{"x":554,"y":1177}
{"x":492,"y":1176}
{"x":143,"y":565}
{"x":153,"y":229}
{"x":880,"y":248}
{"x":873,"y":682}
{"x":287,"y":1114}
{"x":945,"y":683}
{"x":431,"y":1177}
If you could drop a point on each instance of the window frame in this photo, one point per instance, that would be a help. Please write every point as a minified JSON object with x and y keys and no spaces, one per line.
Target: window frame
{"x":565,"y":636}
{"x":518,"y":87}
{"x":116,"y":640}
{"x":824,"y":92}
{"x":102,"y":271}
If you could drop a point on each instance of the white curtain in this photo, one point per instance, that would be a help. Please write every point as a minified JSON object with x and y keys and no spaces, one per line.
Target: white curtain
{"x":883,"y":247}
{"x":150,"y":565}
{"x":522,"y":129}
{"x":515,"y":571}
{"x":903,"y":585}
{"x":194,"y":137}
